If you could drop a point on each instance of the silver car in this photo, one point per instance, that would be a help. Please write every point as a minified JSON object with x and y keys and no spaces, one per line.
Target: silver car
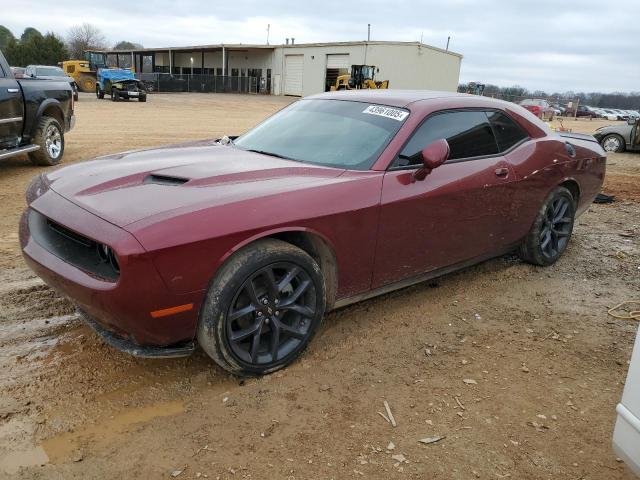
{"x":618,"y":138}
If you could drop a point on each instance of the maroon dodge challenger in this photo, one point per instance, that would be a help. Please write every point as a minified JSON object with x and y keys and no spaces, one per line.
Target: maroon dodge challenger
{"x":243,"y":243}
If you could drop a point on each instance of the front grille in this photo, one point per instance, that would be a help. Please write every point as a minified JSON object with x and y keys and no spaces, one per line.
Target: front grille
{"x":74,"y":248}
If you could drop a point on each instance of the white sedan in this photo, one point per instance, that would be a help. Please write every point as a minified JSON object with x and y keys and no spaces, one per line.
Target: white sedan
{"x":626,"y":436}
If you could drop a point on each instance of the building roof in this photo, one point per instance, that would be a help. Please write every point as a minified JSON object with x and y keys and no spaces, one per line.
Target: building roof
{"x":244,"y":46}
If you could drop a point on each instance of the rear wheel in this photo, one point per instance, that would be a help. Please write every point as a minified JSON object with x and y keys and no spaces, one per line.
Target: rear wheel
{"x":49,"y":135}
{"x":87,"y":83}
{"x":551,"y":230}
{"x":613,"y":143}
{"x":262,"y":308}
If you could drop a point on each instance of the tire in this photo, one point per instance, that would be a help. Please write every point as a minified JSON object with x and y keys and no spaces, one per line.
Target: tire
{"x":114,"y":95}
{"x":295,"y":308}
{"x":49,"y":135}
{"x":87,"y":83}
{"x":99,"y":93}
{"x":142,"y":99}
{"x":613,"y":143}
{"x":542,"y":246}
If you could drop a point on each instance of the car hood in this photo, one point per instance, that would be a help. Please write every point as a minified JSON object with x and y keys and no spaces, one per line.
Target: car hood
{"x":133,"y":186}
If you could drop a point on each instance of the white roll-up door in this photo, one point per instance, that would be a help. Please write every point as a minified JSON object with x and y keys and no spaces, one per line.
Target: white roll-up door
{"x":293,"y":72}
{"x":340,"y":61}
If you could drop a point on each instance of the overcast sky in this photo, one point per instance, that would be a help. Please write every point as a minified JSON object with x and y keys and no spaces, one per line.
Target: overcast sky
{"x":559,"y":45}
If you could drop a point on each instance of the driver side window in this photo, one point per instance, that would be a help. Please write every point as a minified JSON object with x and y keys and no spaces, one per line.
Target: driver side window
{"x":468,"y":132}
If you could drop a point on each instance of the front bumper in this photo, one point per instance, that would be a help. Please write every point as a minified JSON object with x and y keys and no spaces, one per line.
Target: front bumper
{"x":131,"y":94}
{"x":132,"y":348}
{"x":120,"y":306}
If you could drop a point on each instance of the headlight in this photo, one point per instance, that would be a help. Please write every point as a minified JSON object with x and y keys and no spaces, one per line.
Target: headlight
{"x":118,"y":86}
{"x":38,"y":186}
{"x":107,"y":255}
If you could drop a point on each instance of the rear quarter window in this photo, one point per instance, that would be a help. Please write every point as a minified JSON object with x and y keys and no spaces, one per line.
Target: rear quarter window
{"x":508,"y":133}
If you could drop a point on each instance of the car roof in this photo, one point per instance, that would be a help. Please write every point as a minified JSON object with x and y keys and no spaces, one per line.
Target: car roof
{"x":395,"y":98}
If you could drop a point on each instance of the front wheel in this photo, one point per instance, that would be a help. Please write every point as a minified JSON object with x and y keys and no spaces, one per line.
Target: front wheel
{"x":613,"y":143}
{"x":262,"y":308}
{"x":114,"y":95}
{"x":49,"y":135}
{"x":551,"y":230}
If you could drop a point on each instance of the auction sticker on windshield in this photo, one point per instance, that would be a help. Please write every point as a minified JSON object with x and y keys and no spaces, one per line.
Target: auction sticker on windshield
{"x":388,"y":112}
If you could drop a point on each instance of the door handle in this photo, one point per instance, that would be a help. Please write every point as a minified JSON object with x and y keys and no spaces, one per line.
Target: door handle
{"x":12,"y":90}
{"x":502,"y":172}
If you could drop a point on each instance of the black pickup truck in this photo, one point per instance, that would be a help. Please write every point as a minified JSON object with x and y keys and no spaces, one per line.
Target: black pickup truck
{"x":34,"y":116}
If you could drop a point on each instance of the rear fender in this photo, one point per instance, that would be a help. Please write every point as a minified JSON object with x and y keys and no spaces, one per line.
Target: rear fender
{"x":53,"y":108}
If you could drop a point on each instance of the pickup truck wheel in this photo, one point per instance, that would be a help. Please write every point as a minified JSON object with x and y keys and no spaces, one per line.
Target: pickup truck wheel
{"x":613,"y":143}
{"x":49,"y":135}
{"x":263,"y":307}
{"x":551,"y":230}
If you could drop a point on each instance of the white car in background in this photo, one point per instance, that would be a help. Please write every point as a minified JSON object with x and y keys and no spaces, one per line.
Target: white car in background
{"x":626,"y":435}
{"x":610,"y":114}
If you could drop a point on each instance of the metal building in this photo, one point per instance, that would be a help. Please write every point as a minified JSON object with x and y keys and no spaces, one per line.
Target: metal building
{"x":292,"y":69}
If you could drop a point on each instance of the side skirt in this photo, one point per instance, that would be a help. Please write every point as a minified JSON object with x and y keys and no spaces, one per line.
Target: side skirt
{"x":343,"y":302}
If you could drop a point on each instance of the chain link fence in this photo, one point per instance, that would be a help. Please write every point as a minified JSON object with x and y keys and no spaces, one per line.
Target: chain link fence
{"x":168,"y":82}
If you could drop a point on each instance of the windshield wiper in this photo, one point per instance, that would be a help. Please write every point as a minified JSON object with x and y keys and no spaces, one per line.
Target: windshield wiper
{"x":271,"y":154}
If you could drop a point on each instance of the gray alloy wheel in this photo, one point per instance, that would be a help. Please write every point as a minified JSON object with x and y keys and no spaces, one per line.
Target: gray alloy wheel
{"x":262,"y":308}
{"x":551,"y":230}
{"x":613,"y":143}
{"x":50,"y":137}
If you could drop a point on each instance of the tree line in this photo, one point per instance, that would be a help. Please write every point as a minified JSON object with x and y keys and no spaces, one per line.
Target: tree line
{"x":622,"y":100}
{"x":35,"y":48}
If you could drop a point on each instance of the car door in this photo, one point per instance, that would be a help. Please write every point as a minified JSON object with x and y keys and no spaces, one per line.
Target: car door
{"x":457,"y":213}
{"x":11,"y":110}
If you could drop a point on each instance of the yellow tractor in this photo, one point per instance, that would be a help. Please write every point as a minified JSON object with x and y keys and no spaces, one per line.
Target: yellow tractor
{"x":84,"y":71}
{"x":362,"y":76}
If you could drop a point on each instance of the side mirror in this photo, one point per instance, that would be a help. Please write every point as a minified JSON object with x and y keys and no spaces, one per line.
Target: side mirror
{"x":433,"y":155}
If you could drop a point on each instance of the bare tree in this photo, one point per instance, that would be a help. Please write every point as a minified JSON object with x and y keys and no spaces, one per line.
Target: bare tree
{"x":84,"y":37}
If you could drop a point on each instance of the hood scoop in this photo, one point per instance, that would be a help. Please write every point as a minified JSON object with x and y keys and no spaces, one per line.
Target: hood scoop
{"x":164,"y":180}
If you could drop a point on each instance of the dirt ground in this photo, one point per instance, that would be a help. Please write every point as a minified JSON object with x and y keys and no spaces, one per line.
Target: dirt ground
{"x":519,"y":368}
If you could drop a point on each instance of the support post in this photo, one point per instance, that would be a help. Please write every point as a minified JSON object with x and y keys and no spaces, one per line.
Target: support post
{"x":170,"y":62}
{"x":224,"y":61}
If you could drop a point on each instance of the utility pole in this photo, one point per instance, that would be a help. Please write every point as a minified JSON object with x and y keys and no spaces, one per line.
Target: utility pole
{"x":448,"y":38}
{"x":368,"y":32}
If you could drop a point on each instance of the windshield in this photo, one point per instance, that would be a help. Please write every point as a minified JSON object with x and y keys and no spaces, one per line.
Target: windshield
{"x":50,"y":72}
{"x":334,"y":133}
